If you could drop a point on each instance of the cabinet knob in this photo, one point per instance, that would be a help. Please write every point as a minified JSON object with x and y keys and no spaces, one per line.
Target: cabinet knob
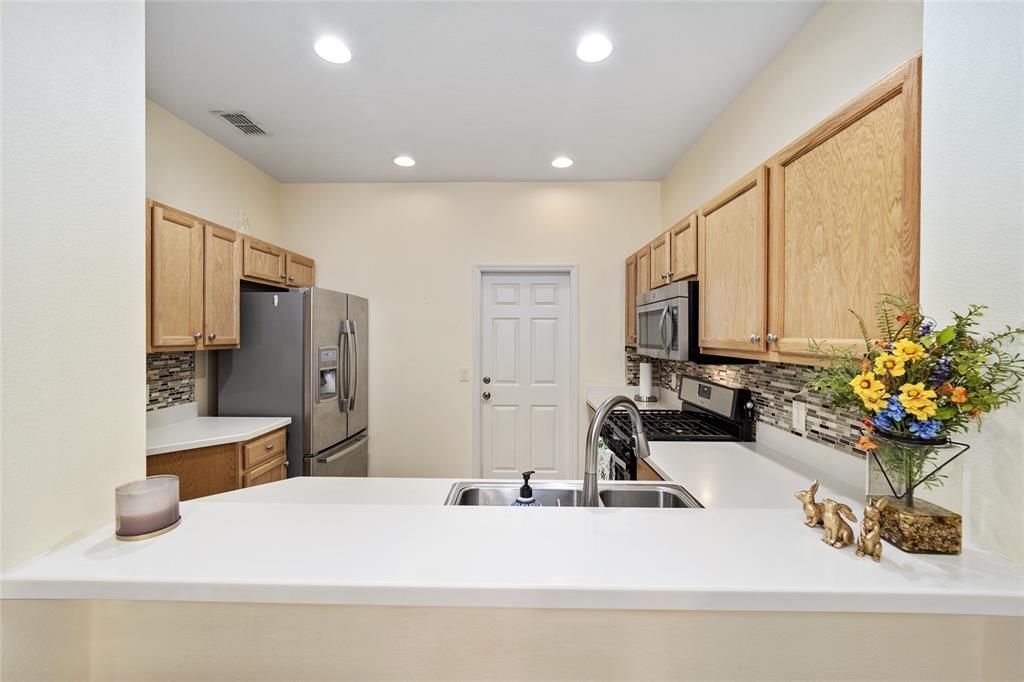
{"x":283,"y":275}
{"x":211,"y":336}
{"x":197,"y":336}
{"x":754,"y":338}
{"x":771,"y":338}
{"x":290,"y":278}
{"x":270,"y":446}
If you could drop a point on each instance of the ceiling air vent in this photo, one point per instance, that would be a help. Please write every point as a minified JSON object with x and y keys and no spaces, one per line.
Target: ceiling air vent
{"x":241,"y":120}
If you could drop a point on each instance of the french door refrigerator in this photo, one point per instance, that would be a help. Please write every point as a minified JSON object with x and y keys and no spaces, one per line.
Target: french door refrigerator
{"x":303,"y":355}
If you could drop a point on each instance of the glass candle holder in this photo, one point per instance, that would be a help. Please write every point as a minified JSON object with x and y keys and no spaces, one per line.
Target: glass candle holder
{"x":146,"y":508}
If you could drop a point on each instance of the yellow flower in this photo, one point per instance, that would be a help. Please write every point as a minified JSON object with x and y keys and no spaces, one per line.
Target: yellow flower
{"x":908,"y":350}
{"x":874,"y":401}
{"x":918,"y":400}
{"x":915,"y":393}
{"x":923,"y":410}
{"x":867,"y":384}
{"x":890,"y":364}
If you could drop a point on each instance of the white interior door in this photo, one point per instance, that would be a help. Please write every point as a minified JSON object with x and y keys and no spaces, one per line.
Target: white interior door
{"x":526,"y":411}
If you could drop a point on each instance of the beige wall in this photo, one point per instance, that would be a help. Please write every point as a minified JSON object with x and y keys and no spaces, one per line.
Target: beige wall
{"x":843,"y":49}
{"x":140,"y":641}
{"x":411,"y":248}
{"x":188,"y":170}
{"x":72,"y":273}
{"x":972,"y":223}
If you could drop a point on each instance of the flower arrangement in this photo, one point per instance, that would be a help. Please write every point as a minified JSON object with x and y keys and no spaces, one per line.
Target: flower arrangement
{"x":917,"y":384}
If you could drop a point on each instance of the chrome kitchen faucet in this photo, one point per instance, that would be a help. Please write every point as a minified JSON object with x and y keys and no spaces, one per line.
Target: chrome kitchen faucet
{"x":590,"y":498}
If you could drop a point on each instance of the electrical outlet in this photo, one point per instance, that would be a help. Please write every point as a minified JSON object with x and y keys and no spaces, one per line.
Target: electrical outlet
{"x":799,"y":417}
{"x":463,"y":374}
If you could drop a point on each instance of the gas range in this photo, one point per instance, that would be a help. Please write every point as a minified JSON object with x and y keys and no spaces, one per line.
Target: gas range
{"x":710,"y":412}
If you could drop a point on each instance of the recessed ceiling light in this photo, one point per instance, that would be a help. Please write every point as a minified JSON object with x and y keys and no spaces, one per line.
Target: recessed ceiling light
{"x":331,"y":49}
{"x":594,"y":48}
{"x":404,"y":161}
{"x":561,"y":162}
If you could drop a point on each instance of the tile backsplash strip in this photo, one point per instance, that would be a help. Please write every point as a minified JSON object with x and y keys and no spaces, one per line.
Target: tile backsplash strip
{"x":170,"y":379}
{"x":775,"y":387}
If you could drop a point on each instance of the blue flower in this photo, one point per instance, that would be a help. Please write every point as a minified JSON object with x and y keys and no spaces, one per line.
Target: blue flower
{"x":926,"y":328}
{"x":891,"y":415}
{"x":929,"y":428}
{"x":882,"y":421}
{"x":942,"y":371}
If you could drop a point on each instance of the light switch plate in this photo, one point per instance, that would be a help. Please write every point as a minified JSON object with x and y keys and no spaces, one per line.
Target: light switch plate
{"x":799,"y":416}
{"x":463,"y":374}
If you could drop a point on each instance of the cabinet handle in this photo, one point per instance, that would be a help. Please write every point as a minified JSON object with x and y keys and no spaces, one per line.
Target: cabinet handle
{"x":197,"y":336}
{"x":270,"y":446}
{"x":283,"y":275}
{"x":771,"y":338}
{"x":211,"y":336}
{"x":290,"y":278}
{"x":754,"y":338}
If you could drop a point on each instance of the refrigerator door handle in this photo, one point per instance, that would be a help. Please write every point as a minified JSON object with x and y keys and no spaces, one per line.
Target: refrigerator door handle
{"x":344,"y":401}
{"x":341,"y":453}
{"x":354,"y":365}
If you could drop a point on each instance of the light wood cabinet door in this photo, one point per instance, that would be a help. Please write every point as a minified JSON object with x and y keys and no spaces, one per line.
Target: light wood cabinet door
{"x":631,"y":300}
{"x":733,"y":235}
{"x":201,"y":471}
{"x":300,"y":270}
{"x":682,"y":241}
{"x":845,"y":217}
{"x":176,"y":280}
{"x":660,"y":265}
{"x":644,"y":472}
{"x":274,"y":470}
{"x":222,"y":269}
{"x":643,"y":269}
{"x":263,"y":261}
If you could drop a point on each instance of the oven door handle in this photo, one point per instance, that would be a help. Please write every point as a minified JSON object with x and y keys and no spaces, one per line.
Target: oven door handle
{"x":661,"y":330}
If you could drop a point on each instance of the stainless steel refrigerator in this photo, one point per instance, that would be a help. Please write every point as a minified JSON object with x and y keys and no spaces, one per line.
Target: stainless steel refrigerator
{"x":303,"y":355}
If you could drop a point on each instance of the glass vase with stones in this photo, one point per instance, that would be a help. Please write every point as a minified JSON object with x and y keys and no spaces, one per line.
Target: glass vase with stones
{"x":923,"y":481}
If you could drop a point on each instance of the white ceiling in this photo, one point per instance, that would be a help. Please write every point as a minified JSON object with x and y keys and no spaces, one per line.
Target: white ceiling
{"x":471,"y":90}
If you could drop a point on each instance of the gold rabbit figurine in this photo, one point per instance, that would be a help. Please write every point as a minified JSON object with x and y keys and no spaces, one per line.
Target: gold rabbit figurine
{"x":812,"y":509}
{"x":870,"y":540}
{"x":837,"y":532}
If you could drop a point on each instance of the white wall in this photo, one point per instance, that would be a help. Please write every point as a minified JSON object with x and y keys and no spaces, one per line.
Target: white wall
{"x":411,"y":248}
{"x":972,"y":222}
{"x":188,"y":170}
{"x":843,"y":49}
{"x":73,"y":276}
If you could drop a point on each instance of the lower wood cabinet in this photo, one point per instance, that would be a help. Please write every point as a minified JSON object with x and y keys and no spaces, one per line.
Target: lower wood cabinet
{"x":220,"y":468}
{"x":644,"y":472}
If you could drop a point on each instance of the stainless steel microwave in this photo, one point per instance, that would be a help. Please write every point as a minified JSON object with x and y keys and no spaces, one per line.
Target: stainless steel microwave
{"x":666,"y":325}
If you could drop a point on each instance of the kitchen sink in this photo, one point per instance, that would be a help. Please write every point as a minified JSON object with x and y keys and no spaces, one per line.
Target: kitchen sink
{"x":570,"y":494}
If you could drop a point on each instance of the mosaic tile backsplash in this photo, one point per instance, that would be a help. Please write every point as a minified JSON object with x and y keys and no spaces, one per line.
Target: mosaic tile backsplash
{"x":170,"y":379}
{"x":774,"y":386}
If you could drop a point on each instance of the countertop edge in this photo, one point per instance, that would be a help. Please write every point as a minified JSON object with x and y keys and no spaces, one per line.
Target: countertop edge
{"x":272,"y":424}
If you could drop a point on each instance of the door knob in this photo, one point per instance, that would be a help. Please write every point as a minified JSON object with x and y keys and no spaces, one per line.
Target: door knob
{"x":487,"y":395}
{"x":487,"y":380}
{"x":211,"y":336}
{"x":197,"y":336}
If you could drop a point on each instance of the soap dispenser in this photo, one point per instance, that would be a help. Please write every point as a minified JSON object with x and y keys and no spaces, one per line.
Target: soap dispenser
{"x":526,"y":498}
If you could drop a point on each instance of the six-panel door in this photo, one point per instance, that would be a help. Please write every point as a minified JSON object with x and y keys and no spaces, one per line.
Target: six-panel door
{"x":733,"y":236}
{"x":525,"y":392}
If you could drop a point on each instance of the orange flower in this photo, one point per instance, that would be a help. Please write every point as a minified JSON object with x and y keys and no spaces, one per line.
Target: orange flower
{"x":945,"y":389}
{"x":976,"y":412}
{"x":865,"y":365}
{"x":865,"y":443}
{"x":959,"y":395}
{"x":904,"y":317}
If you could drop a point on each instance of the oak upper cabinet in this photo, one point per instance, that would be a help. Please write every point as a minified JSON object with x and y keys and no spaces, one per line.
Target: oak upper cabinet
{"x":845,"y":218}
{"x":631,"y":300}
{"x":643,"y":269}
{"x":300,"y":270}
{"x":222,"y":269}
{"x":175,"y":296}
{"x":733,"y":236}
{"x":660,"y":261}
{"x":682,"y":243}
{"x":264,"y":262}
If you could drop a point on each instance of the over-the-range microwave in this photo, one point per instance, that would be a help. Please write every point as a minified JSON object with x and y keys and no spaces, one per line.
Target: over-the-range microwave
{"x":667,"y":328}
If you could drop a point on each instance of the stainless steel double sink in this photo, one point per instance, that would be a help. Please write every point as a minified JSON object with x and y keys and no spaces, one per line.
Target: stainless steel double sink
{"x":615,"y":494}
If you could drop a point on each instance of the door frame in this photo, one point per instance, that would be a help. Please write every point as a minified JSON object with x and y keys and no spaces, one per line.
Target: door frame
{"x":574,"y":351}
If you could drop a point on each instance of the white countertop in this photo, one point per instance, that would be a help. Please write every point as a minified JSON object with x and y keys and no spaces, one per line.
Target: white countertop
{"x":306,"y":541}
{"x":201,"y":432}
{"x":596,"y":395}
